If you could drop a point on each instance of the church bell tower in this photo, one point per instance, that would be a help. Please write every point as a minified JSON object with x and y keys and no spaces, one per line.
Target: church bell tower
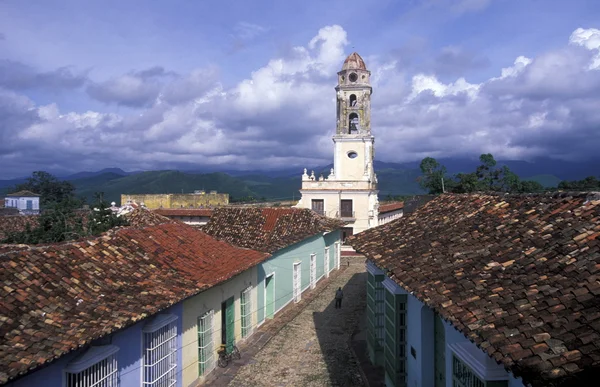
{"x":349,"y":191}
{"x":353,"y":157}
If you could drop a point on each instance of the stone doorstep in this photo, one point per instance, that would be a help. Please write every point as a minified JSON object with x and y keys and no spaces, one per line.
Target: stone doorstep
{"x":264,"y":333}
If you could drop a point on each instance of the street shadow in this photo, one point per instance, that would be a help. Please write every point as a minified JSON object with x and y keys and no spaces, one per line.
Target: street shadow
{"x":335,"y":328}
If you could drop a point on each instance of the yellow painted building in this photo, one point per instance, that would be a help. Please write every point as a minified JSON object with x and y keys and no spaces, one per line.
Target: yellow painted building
{"x":202,"y":328}
{"x":191,"y":200}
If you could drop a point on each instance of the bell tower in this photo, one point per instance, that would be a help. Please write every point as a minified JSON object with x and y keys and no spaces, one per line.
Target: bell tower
{"x":349,"y":192}
{"x":354,"y":144}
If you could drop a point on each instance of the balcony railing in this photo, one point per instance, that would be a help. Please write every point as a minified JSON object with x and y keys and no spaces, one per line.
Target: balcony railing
{"x":345,"y":214}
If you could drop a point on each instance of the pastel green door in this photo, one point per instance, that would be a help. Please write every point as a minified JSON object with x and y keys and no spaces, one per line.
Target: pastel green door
{"x":228,"y":324}
{"x":270,"y":296}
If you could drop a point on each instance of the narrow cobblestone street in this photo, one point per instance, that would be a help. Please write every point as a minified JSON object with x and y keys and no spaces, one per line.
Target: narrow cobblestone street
{"x":313,"y":349}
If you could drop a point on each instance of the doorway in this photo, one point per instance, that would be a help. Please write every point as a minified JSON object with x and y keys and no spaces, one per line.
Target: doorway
{"x":346,"y":232}
{"x":270,"y":296}
{"x":228,"y":324}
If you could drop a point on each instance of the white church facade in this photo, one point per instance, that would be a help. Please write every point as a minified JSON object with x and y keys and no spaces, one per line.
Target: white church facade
{"x":350,"y":190}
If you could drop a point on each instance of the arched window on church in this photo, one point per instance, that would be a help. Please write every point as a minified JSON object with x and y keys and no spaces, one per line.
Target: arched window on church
{"x":354,"y":124}
{"x":352,"y":100}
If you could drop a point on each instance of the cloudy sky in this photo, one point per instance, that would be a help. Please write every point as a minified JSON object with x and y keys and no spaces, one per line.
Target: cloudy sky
{"x":235,"y":84}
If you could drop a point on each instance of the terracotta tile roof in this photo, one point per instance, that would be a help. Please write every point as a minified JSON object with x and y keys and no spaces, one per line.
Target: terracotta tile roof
{"x":16,"y":223}
{"x":389,"y":207}
{"x":143,"y":217}
{"x":267,"y":229}
{"x":27,"y":194}
{"x":54,"y":299}
{"x":7,"y":211}
{"x":354,"y":61}
{"x":184,"y":211}
{"x":518,"y":275}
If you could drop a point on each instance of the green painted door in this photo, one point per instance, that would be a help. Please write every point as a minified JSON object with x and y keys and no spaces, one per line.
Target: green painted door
{"x":439,"y":351}
{"x":270,"y":297}
{"x":229,"y":324}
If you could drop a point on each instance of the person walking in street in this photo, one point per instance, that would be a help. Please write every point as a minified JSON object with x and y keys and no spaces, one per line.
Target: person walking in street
{"x":338,"y":298}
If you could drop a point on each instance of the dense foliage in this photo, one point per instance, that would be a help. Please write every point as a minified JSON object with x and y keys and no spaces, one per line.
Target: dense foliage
{"x":62,"y":218}
{"x":487,"y":177}
{"x":49,"y":187}
{"x":590,"y":183}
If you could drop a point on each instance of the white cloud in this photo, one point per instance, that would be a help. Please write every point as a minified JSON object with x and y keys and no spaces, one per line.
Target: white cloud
{"x":283,"y":114}
{"x":423,"y":82}
{"x":590,"y":39}
{"x":519,"y":65}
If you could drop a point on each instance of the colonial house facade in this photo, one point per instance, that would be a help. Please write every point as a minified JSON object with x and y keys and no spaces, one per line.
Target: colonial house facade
{"x":349,"y":192}
{"x":486,"y":290}
{"x":137,"y":306}
{"x":27,"y":202}
{"x":304,"y":247}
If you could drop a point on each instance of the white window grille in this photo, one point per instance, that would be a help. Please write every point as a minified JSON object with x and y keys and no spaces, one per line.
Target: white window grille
{"x":160,"y":351}
{"x":97,"y":367}
{"x":246,"y":312}
{"x":206,"y":353}
{"x":296,"y":284}
{"x":463,"y":376}
{"x":327,"y":262}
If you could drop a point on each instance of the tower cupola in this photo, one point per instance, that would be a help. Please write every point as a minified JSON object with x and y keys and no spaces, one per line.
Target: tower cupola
{"x":354,"y":97}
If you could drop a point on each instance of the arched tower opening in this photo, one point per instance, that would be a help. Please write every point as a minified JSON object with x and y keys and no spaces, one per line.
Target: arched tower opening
{"x":352,"y":100}
{"x":354,"y":124}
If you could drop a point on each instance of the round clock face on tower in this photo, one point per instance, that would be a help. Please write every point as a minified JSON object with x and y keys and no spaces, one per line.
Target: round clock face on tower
{"x":353,"y":77}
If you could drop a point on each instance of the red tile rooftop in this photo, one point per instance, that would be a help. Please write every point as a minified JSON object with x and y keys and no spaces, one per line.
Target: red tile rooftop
{"x":519,"y":275}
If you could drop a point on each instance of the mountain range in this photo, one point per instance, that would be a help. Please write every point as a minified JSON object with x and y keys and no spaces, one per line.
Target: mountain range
{"x":283,"y":184}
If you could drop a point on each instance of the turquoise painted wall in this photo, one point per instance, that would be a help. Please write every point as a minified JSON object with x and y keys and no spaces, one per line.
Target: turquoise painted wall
{"x":281,"y":264}
{"x":330,"y":240}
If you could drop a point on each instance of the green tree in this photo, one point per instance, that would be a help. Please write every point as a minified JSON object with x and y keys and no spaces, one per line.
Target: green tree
{"x":49,"y":187}
{"x":466,"y":183}
{"x":101,"y":217}
{"x":434,"y":175}
{"x":490,"y":178}
{"x":60,"y":219}
{"x":57,"y":223}
{"x":530,"y":187}
{"x":590,"y":183}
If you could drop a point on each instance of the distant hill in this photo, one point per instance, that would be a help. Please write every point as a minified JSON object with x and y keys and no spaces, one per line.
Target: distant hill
{"x":83,"y":175}
{"x":545,"y":180}
{"x":284,"y":184}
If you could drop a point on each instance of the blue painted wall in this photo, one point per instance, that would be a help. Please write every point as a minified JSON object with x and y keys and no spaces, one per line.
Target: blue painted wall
{"x":129,"y":357}
{"x":453,"y":336}
{"x":281,"y":263}
{"x":420,"y":336}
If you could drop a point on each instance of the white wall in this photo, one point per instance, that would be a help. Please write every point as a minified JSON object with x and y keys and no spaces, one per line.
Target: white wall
{"x":389,"y":216}
{"x":20,"y":202}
